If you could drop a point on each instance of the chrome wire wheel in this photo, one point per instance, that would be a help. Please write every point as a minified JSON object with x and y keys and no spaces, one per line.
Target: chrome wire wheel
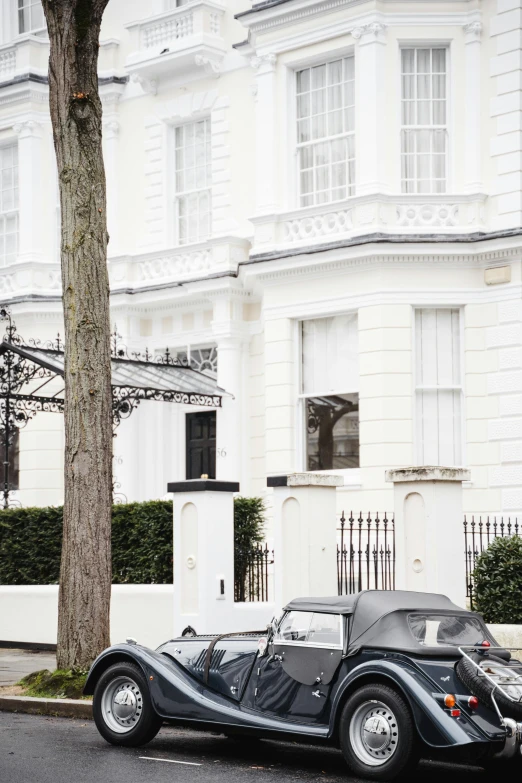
{"x":374,"y":733}
{"x":122,"y":704}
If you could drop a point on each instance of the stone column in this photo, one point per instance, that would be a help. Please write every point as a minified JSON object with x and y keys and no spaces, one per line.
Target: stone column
{"x":370,"y":93}
{"x":203,"y":554}
{"x":266,"y":132}
{"x":473,"y":147}
{"x":30,"y":190}
{"x":429,"y":538}
{"x":305,"y":550}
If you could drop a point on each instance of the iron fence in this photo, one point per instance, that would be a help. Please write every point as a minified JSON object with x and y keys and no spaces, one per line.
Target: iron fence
{"x":252,"y":573}
{"x":478,"y":535}
{"x":366,"y":553}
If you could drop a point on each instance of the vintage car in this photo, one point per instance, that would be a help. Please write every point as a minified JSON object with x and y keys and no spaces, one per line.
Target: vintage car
{"x":388,"y":676}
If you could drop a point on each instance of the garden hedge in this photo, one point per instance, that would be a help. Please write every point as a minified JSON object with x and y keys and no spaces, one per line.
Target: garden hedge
{"x":31,"y":541}
{"x":497,"y":579}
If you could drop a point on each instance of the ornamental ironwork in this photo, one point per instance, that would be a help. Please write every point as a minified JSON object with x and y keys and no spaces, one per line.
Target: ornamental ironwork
{"x":31,"y":381}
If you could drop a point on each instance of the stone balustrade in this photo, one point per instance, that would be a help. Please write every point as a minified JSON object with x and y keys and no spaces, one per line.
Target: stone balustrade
{"x":390,"y":214}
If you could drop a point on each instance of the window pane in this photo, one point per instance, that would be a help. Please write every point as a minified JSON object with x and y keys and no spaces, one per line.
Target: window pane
{"x":8,"y":204}
{"x":332,"y":432}
{"x":423,"y":104}
{"x":325,"y":97}
{"x":294,"y":627}
{"x":193,"y":180}
{"x":324,"y":629}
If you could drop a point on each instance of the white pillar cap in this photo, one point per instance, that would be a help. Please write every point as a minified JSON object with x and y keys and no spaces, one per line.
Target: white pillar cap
{"x":305,"y":480}
{"x":427,"y":473}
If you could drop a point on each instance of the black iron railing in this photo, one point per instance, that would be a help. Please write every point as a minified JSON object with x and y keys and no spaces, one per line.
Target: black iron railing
{"x":252,"y":573}
{"x":366,"y":553}
{"x":479,"y":533}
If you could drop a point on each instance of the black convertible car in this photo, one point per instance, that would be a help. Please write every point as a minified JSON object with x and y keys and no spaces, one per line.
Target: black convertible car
{"x":387,"y":676}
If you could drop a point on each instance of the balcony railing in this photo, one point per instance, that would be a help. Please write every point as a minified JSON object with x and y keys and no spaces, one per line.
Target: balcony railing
{"x":188,"y":36}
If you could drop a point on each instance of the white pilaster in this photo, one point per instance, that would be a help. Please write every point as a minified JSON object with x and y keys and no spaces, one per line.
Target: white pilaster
{"x":473,"y":147}
{"x":230,"y":336}
{"x":266,"y":131}
{"x":29,"y":134}
{"x":370,"y":93}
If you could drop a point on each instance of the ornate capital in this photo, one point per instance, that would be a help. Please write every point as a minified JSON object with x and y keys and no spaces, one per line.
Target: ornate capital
{"x":264,"y":62}
{"x":370,"y":33}
{"x":472,"y":31}
{"x":27,"y":129}
{"x":111,"y":128}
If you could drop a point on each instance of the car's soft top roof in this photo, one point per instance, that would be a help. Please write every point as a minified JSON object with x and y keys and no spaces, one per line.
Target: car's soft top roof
{"x":374,"y":603}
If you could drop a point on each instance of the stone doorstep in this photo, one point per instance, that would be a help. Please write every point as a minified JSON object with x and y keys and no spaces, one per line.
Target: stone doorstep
{"x":61,"y":708}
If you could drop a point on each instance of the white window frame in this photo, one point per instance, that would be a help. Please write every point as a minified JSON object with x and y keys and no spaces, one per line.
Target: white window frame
{"x":174,"y":195}
{"x":449,"y":136}
{"x":292,"y":118}
{"x":351,"y":475}
{"x":16,"y":211}
{"x":417,"y":442}
{"x":31,"y":31}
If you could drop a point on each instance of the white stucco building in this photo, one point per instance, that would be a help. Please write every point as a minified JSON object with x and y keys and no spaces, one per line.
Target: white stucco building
{"x":318,"y":200}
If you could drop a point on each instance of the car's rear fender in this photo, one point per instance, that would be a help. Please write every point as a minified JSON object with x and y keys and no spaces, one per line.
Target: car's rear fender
{"x":435,"y":726}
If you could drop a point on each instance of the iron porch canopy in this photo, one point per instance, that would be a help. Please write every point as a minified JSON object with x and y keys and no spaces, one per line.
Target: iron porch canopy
{"x":133,"y":380}
{"x":31,"y":381}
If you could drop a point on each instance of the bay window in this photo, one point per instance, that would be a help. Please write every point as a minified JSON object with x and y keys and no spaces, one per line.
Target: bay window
{"x":192,"y":181}
{"x":8,"y":204}
{"x":30,"y":16}
{"x":438,"y":392}
{"x":326,"y":132}
{"x":424,"y":131}
{"x":329,"y":392}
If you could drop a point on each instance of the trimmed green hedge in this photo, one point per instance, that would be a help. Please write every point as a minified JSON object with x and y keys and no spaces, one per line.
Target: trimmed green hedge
{"x":497,"y":581}
{"x":142,"y":550}
{"x":31,"y":543}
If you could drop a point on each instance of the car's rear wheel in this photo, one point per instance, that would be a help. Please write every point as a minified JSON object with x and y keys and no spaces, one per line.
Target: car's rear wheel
{"x":122,"y":708}
{"x":377,"y":734}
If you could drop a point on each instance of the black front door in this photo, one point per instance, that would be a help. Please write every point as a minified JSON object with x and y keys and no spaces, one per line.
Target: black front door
{"x":201,"y":444}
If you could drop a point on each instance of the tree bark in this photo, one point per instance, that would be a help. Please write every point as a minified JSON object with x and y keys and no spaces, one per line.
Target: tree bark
{"x":76,"y":114}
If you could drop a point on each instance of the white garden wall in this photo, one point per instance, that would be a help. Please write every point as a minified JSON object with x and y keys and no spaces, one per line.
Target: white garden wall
{"x":29,"y":613}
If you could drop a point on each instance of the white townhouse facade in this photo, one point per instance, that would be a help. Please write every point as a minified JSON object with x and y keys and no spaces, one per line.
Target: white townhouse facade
{"x":318,"y":202}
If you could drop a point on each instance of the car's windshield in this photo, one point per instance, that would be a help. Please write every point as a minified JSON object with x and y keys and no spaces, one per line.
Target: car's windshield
{"x":434,"y":630}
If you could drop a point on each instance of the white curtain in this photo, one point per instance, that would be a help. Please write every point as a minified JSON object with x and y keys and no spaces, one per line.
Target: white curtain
{"x":439,"y":390}
{"x":330,"y":361}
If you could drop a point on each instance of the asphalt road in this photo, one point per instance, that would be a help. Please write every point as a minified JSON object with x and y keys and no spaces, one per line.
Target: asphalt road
{"x":37,"y":749}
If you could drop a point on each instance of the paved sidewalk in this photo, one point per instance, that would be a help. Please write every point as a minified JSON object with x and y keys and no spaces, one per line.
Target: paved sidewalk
{"x":15,"y":664}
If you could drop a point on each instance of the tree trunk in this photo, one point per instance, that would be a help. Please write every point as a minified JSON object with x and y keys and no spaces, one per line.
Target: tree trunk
{"x":76,"y":114}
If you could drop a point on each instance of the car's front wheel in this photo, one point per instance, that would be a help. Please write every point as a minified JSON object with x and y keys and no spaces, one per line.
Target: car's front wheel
{"x":122,"y":708}
{"x":377,"y":734}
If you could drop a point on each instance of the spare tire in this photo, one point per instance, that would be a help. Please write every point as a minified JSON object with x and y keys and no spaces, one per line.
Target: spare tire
{"x":482,"y":687}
